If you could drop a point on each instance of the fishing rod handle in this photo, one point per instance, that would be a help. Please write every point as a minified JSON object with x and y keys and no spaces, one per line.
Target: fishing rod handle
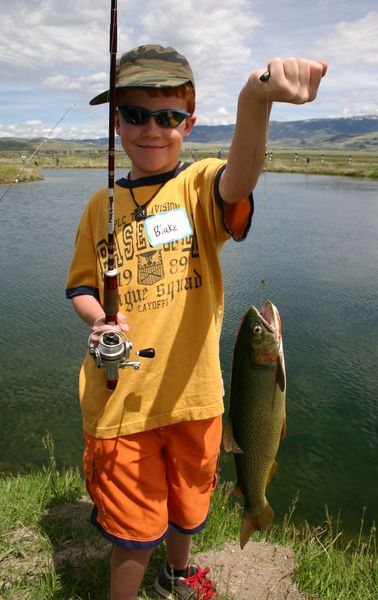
{"x":111,"y":299}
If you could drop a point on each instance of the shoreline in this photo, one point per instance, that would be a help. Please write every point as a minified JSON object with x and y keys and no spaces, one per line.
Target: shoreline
{"x":333,"y":162}
{"x":30,"y":175}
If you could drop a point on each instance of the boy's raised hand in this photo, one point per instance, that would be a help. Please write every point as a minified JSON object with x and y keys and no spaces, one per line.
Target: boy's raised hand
{"x":291,"y":80}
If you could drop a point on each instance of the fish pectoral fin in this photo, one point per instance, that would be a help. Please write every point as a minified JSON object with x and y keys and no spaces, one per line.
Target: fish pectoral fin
{"x":238,"y":491}
{"x":273,"y":471}
{"x":229,"y":443}
{"x":280,"y":374}
{"x":257,"y":523}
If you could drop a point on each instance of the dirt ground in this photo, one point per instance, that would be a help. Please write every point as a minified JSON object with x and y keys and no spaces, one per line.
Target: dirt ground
{"x":260,"y":571}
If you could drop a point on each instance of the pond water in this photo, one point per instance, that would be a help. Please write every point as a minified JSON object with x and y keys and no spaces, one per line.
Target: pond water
{"x":313,"y":239}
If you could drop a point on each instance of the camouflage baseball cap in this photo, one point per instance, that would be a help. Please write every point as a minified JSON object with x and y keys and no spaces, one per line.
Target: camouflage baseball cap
{"x":150,"y":66}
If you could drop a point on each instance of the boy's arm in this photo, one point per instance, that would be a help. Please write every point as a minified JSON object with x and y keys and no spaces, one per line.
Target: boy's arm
{"x":291,"y":80}
{"x":88,"y":308}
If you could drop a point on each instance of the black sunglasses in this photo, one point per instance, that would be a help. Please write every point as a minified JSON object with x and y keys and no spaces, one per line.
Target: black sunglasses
{"x":167,"y":118}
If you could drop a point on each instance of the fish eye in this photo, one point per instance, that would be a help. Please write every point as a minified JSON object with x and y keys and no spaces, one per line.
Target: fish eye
{"x":257,"y":329}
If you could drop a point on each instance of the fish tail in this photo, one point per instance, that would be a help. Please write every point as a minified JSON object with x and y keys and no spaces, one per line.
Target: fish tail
{"x":257,"y":523}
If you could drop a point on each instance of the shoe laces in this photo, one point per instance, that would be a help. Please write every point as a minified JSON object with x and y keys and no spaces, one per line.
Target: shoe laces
{"x":201,"y":584}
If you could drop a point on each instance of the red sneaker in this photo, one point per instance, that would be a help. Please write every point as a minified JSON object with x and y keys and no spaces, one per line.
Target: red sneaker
{"x":195,"y":586}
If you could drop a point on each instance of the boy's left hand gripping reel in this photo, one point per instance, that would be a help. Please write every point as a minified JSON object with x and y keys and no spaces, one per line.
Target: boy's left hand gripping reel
{"x":112,"y":353}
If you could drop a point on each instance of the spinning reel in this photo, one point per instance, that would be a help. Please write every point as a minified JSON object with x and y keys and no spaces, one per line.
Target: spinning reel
{"x":113,"y":352}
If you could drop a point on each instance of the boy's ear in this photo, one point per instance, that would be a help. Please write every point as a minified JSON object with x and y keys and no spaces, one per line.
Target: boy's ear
{"x":189,"y":123}
{"x":117,"y":123}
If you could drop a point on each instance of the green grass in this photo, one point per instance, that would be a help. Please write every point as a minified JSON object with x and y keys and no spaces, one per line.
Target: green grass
{"x":10,"y":173}
{"x":279,"y":160}
{"x":315,"y":162}
{"x":327,"y":565}
{"x":48,"y":551}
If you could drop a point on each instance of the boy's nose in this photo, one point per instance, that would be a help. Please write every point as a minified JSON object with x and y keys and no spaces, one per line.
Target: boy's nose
{"x":151,"y":126}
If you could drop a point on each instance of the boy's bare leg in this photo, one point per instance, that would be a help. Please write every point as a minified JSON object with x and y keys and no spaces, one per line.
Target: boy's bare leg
{"x":178,"y":546}
{"x":127,"y":571}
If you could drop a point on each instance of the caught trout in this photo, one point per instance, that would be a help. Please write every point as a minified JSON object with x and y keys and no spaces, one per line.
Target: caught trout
{"x":257,"y":420}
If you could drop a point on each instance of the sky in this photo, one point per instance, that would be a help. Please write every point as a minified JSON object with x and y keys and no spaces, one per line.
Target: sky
{"x":54,"y":56}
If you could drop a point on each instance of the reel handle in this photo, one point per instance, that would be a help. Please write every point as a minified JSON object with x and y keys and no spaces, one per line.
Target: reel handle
{"x":146,"y":353}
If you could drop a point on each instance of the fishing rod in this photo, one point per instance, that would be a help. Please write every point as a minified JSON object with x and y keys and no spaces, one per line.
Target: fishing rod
{"x":16,"y":179}
{"x":113,"y":350}
{"x":111,"y":302}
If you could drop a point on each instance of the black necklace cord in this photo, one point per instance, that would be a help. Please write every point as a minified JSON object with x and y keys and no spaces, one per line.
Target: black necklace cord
{"x":140,"y":212}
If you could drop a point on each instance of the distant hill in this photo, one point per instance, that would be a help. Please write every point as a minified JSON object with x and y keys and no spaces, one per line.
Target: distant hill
{"x":349,"y":134}
{"x":354,"y":133}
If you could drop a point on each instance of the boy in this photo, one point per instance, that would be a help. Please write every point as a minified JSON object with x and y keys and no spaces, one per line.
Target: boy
{"x":152,"y":445}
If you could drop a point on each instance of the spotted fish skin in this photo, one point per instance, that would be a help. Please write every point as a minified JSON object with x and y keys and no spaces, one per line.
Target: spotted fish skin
{"x":257,"y":420}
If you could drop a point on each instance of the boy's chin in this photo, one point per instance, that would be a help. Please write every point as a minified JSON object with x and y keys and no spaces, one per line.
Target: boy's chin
{"x":152,"y":168}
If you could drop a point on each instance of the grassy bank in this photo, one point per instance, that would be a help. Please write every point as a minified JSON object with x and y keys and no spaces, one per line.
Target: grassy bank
{"x":357,"y":164}
{"x":48,"y":551}
{"x":12,"y":173}
{"x":312,"y":162}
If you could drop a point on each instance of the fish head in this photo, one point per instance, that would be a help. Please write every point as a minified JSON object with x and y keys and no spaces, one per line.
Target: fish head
{"x":263,"y":328}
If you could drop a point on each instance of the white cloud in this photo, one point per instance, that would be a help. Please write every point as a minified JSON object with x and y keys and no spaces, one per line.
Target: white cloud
{"x":42,"y":34}
{"x":61,"y":82}
{"x":351,"y":49}
{"x":215,"y":37}
{"x":222,"y":111}
{"x":55,"y":53}
{"x":37,"y":129}
{"x":90,"y":83}
{"x":352,"y":43}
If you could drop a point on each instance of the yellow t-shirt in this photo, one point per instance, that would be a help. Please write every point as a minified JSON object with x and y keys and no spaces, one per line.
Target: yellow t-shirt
{"x":171,"y":294}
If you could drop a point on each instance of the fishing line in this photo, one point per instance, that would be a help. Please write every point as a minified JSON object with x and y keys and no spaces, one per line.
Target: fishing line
{"x":263,"y":281}
{"x":15,"y":180}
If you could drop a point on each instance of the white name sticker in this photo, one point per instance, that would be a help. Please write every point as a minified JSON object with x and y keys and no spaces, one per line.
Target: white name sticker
{"x":168,"y":227}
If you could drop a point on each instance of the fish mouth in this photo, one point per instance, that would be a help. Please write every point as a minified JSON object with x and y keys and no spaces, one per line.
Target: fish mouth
{"x":268,"y":316}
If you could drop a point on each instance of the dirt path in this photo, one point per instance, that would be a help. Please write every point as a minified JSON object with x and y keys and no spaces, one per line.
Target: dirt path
{"x":260,"y":571}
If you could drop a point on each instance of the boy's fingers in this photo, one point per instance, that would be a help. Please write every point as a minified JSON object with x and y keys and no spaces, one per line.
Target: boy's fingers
{"x":317,"y":70}
{"x":324,"y":66}
{"x":293,"y":80}
{"x":97,"y":331}
{"x":291,"y":69}
{"x":122,"y":321}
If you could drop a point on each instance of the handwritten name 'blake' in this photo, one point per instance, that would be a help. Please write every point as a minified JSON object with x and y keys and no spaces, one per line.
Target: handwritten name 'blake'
{"x":165,"y":229}
{"x":168,"y":227}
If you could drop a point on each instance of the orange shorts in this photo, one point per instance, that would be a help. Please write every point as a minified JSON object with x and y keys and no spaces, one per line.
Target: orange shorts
{"x":144,"y":483}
